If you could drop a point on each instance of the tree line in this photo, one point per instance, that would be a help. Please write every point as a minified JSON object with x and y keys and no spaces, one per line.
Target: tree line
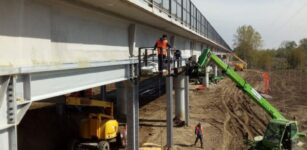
{"x":290,"y":55}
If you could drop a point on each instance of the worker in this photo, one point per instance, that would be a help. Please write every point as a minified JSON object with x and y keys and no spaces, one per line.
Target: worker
{"x":177,"y":55}
{"x":266,"y":80}
{"x":199,"y":134}
{"x":161,"y":46}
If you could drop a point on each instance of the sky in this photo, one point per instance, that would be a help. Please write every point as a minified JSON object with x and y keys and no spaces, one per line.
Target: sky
{"x":275,"y":20}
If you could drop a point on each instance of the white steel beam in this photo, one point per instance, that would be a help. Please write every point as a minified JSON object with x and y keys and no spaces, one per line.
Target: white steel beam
{"x":35,"y":86}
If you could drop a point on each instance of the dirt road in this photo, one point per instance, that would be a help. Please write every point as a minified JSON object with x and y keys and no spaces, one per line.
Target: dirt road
{"x":225,"y":112}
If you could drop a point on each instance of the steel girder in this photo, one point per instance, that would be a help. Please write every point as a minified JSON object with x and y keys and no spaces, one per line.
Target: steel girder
{"x":19,"y":87}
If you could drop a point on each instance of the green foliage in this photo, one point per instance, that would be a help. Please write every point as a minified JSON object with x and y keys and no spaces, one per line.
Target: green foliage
{"x":264,"y":60}
{"x":303,"y":44}
{"x":246,"y":41}
{"x":289,"y":55}
{"x":296,"y":58}
{"x":288,"y":45}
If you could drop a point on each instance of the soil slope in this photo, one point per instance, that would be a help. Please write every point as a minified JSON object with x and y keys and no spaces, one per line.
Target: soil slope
{"x":226,"y":113}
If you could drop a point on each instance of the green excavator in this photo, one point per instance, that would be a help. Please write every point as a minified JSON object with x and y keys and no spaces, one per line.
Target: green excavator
{"x":281,"y":133}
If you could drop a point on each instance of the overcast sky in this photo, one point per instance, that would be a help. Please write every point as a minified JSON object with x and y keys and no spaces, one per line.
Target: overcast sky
{"x":276,"y":20}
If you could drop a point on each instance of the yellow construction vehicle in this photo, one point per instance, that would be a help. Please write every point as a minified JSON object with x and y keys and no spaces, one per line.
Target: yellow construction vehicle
{"x":99,"y":128}
{"x":239,"y":66}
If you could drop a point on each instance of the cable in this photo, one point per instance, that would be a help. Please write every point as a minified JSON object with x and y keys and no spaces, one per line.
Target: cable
{"x":292,"y":16}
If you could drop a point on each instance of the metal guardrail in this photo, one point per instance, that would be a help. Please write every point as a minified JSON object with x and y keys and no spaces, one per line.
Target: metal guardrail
{"x":173,"y":62}
{"x":185,"y":12}
{"x":145,"y":57}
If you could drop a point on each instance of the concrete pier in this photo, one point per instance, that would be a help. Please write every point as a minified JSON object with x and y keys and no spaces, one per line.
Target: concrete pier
{"x":133,"y":115}
{"x":169,"y":93}
{"x":215,"y":70}
{"x":122,"y":91}
{"x":103,"y":92}
{"x":180,"y":97}
{"x":186,"y":99}
{"x":207,"y":76}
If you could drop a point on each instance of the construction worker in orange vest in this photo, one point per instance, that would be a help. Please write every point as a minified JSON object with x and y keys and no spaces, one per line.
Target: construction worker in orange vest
{"x":199,"y":131}
{"x":162,"y":45}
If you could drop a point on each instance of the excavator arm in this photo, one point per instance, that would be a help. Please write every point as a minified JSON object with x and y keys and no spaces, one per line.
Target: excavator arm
{"x":238,"y":58}
{"x":207,"y":55}
{"x":280,"y":133}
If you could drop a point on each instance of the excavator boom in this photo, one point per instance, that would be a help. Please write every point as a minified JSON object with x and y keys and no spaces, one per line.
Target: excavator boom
{"x":207,"y":55}
{"x":280,"y":133}
{"x":238,"y":58}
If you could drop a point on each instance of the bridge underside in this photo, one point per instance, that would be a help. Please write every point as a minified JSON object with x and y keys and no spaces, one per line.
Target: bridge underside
{"x":32,"y":84}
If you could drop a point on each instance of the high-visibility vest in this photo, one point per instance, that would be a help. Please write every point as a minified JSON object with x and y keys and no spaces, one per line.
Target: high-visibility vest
{"x":162,"y":46}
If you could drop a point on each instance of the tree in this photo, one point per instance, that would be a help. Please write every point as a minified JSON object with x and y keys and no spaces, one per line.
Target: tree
{"x":285,"y":48}
{"x":264,"y":59}
{"x":296,"y":58}
{"x":246,"y":41}
{"x":303,"y":44}
{"x":288,"y":45}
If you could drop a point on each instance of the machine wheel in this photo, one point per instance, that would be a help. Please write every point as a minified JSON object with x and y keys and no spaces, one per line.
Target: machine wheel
{"x":73,"y":144}
{"x":104,"y":145}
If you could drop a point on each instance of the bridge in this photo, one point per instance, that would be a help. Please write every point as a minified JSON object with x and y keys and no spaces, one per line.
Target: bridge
{"x":55,"y":47}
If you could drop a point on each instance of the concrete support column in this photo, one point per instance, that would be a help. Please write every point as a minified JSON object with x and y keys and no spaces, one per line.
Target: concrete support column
{"x":133,"y":115}
{"x":169,"y":105}
{"x":103,"y":92}
{"x":180,"y":97}
{"x":122,"y":91}
{"x":207,"y":77}
{"x":60,"y":108}
{"x":13,"y":143}
{"x":169,"y":113}
{"x":186,"y":98}
{"x":215,"y":71}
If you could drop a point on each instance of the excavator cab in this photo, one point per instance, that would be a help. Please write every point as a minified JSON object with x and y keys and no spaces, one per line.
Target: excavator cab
{"x":279,"y":135}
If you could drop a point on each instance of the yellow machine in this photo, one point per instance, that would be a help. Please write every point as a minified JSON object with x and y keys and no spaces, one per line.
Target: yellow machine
{"x":99,"y":128}
{"x":239,"y":67}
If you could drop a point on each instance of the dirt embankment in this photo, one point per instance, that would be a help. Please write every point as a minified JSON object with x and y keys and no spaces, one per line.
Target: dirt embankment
{"x":226,"y":113}
{"x":289,"y":91}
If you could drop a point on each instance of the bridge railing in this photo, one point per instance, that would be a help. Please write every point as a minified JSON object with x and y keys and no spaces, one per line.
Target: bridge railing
{"x":148,"y":55}
{"x":185,"y":12}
